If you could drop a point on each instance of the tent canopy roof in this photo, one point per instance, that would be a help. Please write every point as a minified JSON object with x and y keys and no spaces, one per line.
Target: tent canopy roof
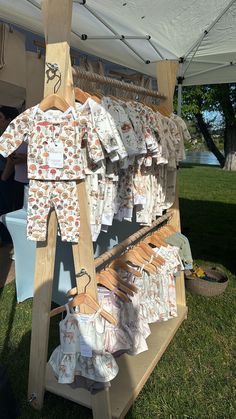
{"x":137,"y":34}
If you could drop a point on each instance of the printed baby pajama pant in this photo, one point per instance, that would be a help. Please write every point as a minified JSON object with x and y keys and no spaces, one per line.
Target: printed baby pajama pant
{"x":60,"y":195}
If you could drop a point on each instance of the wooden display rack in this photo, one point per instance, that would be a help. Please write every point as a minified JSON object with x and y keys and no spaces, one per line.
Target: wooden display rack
{"x":133,"y":371}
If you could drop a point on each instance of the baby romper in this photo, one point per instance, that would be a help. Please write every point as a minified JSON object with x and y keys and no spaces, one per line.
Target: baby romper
{"x":128,"y":144}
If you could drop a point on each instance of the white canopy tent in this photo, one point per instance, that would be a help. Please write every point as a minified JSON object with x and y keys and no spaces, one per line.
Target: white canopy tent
{"x":137,"y":34}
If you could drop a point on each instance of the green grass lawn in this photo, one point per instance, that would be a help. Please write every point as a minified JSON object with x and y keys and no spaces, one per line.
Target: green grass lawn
{"x":196,"y":376}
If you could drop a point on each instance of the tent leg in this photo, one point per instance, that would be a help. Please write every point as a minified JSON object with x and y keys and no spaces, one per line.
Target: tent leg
{"x":179,"y":99}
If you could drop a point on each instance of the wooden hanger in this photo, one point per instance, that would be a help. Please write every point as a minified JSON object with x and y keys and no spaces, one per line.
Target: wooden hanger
{"x":124,"y":99}
{"x":147,"y":249}
{"x":158,"y":236}
{"x":142,"y":253}
{"x":123,"y":285}
{"x":146,"y":256}
{"x":112,"y":278}
{"x":105,"y":282}
{"x":149,"y":240}
{"x":54,"y":101}
{"x":133,"y":257}
{"x":168,"y":229}
{"x":153,"y":240}
{"x":123,"y":265}
{"x":94,"y":97}
{"x":80,"y":95}
{"x":85,"y":298}
{"x":156,"y":261}
{"x":110,"y":275}
{"x":98,"y":94}
{"x":113,"y":97}
{"x":157,"y":240}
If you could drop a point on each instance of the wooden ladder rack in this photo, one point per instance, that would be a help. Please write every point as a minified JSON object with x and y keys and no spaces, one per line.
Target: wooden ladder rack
{"x":134,"y":371}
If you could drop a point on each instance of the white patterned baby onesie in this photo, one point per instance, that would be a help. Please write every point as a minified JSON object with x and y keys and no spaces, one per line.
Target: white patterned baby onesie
{"x":124,"y":126}
{"x":100,"y":120}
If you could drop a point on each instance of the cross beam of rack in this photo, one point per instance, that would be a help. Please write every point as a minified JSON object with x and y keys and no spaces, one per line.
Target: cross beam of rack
{"x":88,"y":75}
{"x":119,"y":248}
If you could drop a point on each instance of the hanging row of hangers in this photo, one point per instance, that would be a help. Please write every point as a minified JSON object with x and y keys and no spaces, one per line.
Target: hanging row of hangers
{"x":141,"y":255}
{"x":81,"y":96}
{"x":58,"y":102}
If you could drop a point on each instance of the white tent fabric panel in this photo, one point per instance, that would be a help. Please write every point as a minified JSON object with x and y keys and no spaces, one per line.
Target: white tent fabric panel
{"x":202,"y":32}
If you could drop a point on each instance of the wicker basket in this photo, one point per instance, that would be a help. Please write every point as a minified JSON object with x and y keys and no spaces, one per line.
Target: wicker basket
{"x":207,"y":288}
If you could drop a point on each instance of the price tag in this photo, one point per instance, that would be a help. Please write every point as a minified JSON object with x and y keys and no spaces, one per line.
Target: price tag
{"x":85,"y":346}
{"x":56,"y":158}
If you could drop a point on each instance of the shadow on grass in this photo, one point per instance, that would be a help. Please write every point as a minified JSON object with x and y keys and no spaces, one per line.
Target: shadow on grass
{"x":211,"y":230}
{"x":16,"y":360}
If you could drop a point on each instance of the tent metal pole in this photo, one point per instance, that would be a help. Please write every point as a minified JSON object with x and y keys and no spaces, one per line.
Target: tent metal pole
{"x":113,"y":31}
{"x":34,"y":4}
{"x":179,"y":109}
{"x":209,"y":70}
{"x":208,"y":62}
{"x":114,"y":37}
{"x":180,"y":79}
{"x":155,"y":48}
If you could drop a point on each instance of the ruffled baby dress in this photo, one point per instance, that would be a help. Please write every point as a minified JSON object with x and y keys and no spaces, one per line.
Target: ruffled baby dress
{"x":81,"y":351}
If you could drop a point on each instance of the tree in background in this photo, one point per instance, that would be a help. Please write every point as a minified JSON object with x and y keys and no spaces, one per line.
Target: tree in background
{"x":198,"y":101}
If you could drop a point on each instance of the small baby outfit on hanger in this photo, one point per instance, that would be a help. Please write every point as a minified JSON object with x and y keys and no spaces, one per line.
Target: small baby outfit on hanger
{"x":81,"y":351}
{"x":131,"y":331}
{"x":54,"y":164}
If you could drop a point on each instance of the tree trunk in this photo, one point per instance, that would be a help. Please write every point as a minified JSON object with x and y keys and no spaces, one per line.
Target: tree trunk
{"x":208,"y":139}
{"x":230,"y":147}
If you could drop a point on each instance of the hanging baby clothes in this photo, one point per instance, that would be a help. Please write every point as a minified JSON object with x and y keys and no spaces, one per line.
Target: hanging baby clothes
{"x":97,"y":142}
{"x":179,"y":240}
{"x":184,"y":135}
{"x":81,"y":351}
{"x":131,"y":331}
{"x":157,"y":296}
{"x":54,"y":154}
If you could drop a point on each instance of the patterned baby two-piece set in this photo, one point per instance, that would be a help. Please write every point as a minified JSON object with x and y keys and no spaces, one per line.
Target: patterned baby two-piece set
{"x":54,"y":164}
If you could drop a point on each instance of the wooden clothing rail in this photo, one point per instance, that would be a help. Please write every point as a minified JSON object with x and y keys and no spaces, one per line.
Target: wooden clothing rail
{"x":133,"y":371}
{"x":88,"y":75}
{"x":130,"y":241}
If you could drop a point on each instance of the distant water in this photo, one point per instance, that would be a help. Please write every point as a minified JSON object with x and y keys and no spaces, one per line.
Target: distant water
{"x":201,"y":157}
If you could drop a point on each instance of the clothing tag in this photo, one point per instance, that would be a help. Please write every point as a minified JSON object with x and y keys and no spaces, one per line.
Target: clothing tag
{"x":86,"y":346}
{"x":56,"y":158}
